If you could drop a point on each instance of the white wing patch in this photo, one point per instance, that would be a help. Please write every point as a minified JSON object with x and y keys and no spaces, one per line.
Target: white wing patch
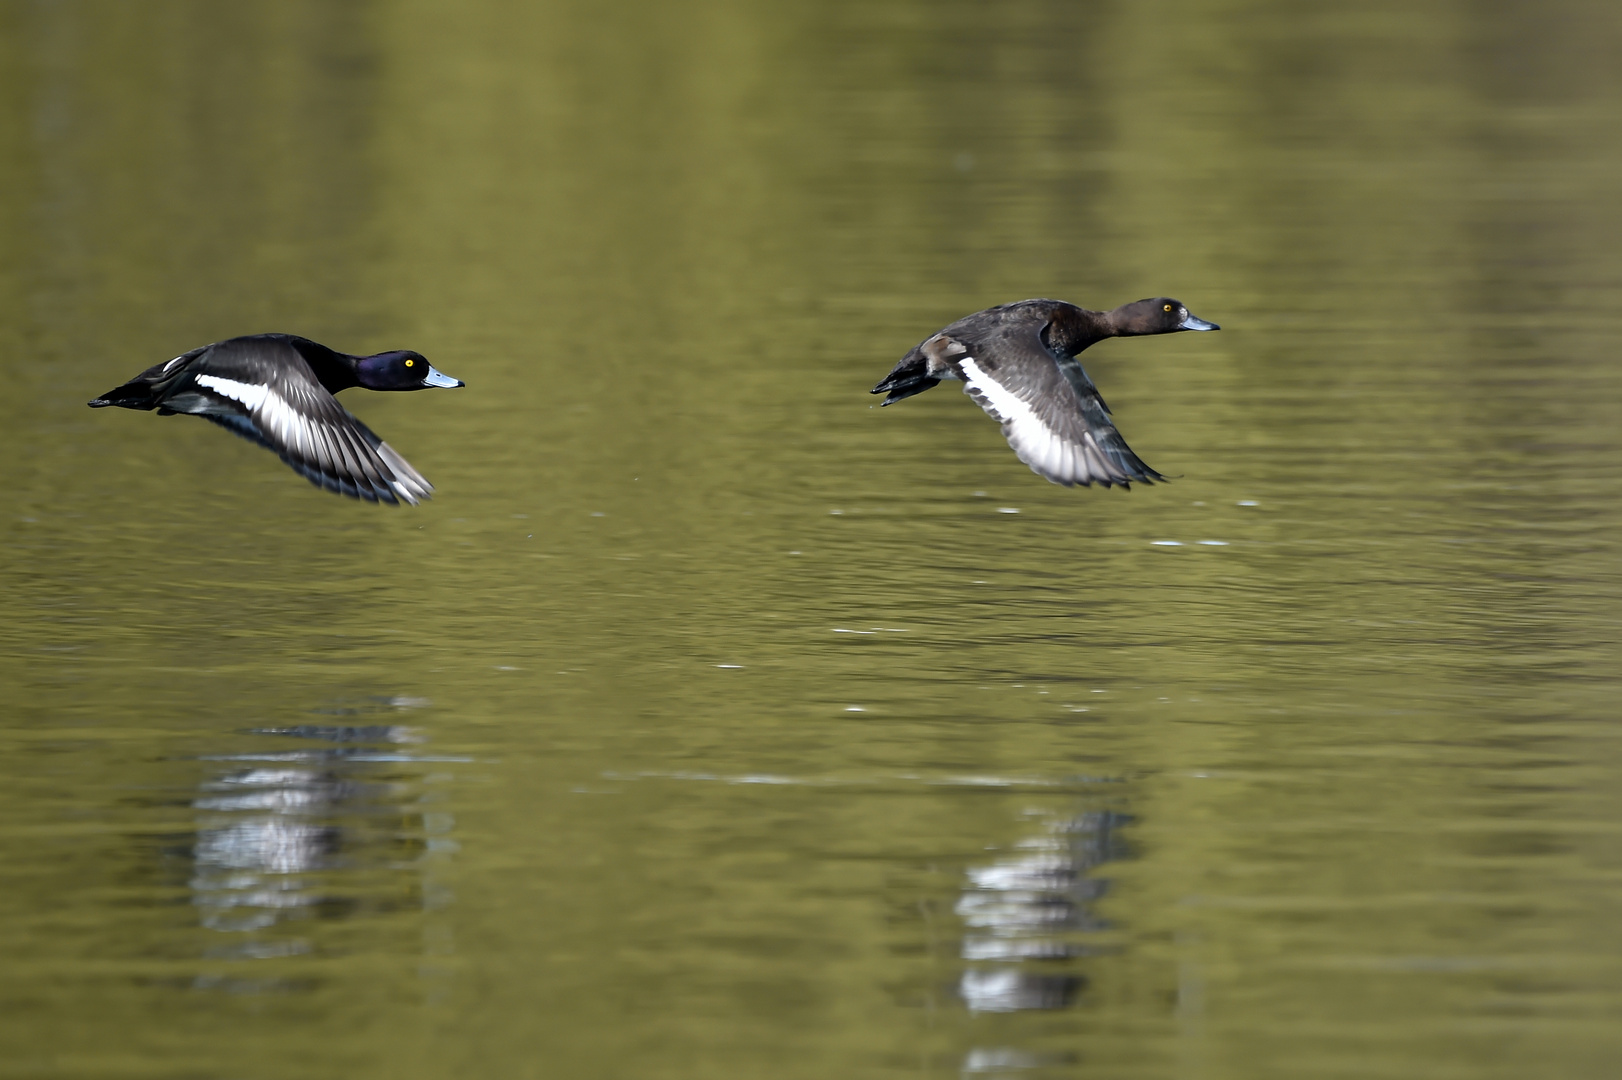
{"x":1047,"y":451}
{"x":1002,"y":403}
{"x":249,"y":394}
{"x":1037,"y":445}
{"x":278,"y":419}
{"x":338,"y":456}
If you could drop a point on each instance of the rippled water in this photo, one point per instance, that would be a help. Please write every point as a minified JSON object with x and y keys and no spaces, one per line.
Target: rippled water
{"x":711,"y":722}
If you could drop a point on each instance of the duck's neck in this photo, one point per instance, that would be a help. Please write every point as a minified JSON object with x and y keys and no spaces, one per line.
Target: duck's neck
{"x":1071,"y":328}
{"x":336,"y":370}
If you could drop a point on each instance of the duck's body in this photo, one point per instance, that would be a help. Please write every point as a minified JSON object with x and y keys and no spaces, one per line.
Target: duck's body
{"x":276,"y":390}
{"x":1017,"y":361}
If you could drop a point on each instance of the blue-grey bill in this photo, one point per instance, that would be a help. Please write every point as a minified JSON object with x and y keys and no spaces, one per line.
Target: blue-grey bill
{"x":1193,"y":323}
{"x":435,"y":377}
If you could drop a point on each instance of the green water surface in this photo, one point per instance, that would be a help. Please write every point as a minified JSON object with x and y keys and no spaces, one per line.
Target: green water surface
{"x":711,"y":722}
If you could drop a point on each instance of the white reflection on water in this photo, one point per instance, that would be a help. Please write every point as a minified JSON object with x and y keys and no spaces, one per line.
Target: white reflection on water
{"x":256,"y":841}
{"x":1033,"y":908}
{"x":300,"y":832}
{"x":1001,"y":1059}
{"x":880,"y":779}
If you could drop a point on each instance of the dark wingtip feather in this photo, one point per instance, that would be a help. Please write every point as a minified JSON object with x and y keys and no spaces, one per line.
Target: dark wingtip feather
{"x":901,"y":389}
{"x":1134,"y":469}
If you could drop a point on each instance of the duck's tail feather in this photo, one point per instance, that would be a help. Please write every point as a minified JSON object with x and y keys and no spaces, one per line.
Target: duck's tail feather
{"x":910,"y":377}
{"x":132,"y":395}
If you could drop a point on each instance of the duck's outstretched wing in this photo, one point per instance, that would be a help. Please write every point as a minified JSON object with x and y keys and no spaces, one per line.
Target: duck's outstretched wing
{"x":264,"y":391}
{"x":1051,"y":413}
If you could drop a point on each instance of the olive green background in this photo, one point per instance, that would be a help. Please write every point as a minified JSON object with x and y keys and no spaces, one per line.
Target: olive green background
{"x":711,"y":722}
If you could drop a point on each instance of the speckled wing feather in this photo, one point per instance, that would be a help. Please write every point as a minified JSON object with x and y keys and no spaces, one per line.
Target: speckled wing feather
{"x":1051,"y":413}
{"x":277,"y":402}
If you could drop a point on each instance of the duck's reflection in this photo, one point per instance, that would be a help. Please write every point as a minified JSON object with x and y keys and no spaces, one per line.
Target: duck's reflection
{"x":1035,"y":907}
{"x":259,"y":840}
{"x":334,"y":824}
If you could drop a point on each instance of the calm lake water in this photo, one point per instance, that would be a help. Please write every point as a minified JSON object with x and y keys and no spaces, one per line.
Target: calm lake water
{"x":711,"y":722}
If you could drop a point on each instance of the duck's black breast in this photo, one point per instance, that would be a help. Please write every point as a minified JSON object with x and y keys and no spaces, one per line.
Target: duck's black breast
{"x":266,"y":389}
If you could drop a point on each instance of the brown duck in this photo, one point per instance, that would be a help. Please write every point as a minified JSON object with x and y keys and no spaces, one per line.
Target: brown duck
{"x":1018,"y":362}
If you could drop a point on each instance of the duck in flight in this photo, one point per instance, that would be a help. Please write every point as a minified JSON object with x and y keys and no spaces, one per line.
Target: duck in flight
{"x":276,"y":390}
{"x":1018,"y":362}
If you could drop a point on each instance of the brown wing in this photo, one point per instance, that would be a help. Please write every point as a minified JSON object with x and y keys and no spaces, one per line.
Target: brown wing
{"x":1051,"y":413}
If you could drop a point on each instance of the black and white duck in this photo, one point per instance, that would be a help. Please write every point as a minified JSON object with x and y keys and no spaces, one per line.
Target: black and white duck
{"x":277,"y":390}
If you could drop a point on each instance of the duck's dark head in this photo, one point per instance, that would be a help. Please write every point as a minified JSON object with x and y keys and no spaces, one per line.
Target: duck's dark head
{"x":404,"y":370}
{"x":1161,"y":315}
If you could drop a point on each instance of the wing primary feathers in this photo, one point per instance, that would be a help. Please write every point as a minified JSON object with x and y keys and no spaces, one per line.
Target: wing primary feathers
{"x":411,"y":484}
{"x":362,"y":470}
{"x":1051,"y":415}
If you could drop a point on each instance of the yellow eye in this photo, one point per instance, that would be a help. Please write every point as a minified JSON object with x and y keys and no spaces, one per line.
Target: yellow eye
{"x":412,"y":363}
{"x":1168,"y":308}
